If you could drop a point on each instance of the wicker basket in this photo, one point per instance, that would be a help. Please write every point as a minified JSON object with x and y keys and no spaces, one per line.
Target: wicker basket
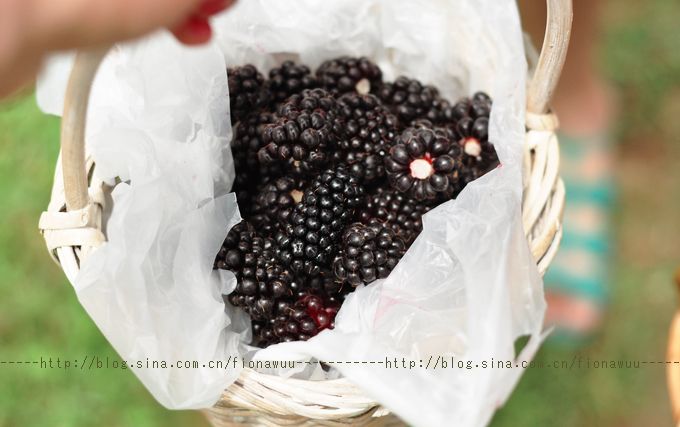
{"x":72,"y":227}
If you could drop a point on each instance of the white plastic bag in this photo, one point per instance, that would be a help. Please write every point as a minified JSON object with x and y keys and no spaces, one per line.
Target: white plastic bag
{"x":466,"y":289}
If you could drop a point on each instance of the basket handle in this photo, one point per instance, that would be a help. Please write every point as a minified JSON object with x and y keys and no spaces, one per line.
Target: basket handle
{"x":73,"y":127}
{"x":553,"y":54}
{"x":541,"y":87}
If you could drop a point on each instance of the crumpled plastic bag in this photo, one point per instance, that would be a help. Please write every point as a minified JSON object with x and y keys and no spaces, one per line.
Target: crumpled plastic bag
{"x":466,"y":290}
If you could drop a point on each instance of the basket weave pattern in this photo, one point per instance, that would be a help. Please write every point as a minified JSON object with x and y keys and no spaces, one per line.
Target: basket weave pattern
{"x":73,"y":228}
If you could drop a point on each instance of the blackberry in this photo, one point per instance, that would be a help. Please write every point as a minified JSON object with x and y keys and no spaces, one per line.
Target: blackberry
{"x":477,"y":106}
{"x":261,"y":280}
{"x":307,"y":243}
{"x":274,"y":203}
{"x":289,"y":79}
{"x":370,"y":131}
{"x":326,"y":286}
{"x":473,"y":136}
{"x":423,"y":163}
{"x":401,"y":213}
{"x":411,"y":100}
{"x":347,"y":74}
{"x":247,"y":140}
{"x":369,"y":252}
{"x":300,"y":320}
{"x":307,"y":129}
{"x":246,"y":92}
{"x":471,"y":118}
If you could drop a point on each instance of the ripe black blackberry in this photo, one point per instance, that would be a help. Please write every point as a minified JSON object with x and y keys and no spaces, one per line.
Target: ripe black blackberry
{"x":411,"y":100}
{"x":261,"y":280}
{"x":246,"y":90}
{"x":306,"y":131}
{"x":308,"y":241}
{"x":423,"y":163}
{"x":370,"y":131}
{"x":368,"y":252}
{"x":289,"y":79}
{"x":479,"y":154}
{"x":477,"y":106}
{"x":298,"y":320}
{"x":403,"y":214}
{"x":274,"y":202}
{"x":473,"y":135}
{"x":347,"y":74}
{"x":247,"y":140}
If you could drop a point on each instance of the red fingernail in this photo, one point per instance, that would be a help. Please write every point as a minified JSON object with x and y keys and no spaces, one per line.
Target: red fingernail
{"x":195,"y":30}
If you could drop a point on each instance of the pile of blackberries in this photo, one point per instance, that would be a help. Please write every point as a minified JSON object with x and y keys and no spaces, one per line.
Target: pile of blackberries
{"x":334,"y":171}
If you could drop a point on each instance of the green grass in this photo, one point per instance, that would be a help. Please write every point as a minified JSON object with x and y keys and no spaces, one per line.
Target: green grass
{"x":40,"y":316}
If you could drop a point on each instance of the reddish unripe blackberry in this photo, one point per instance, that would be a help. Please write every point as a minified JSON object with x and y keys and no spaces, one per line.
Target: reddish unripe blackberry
{"x":347,"y":74}
{"x":246,"y":90}
{"x":308,"y":241}
{"x":274,"y":202}
{"x":370,"y":131}
{"x":306,"y":131}
{"x":423,"y":163}
{"x":289,"y":79}
{"x":368,"y":252}
{"x":300,"y":320}
{"x":403,"y":214}
{"x":411,"y":100}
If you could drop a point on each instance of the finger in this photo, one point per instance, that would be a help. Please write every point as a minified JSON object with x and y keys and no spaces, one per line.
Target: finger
{"x":212,"y":7}
{"x":69,"y":23}
{"x":18,"y":74}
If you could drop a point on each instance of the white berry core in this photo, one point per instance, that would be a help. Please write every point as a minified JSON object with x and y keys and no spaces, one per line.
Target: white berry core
{"x":363,"y":87}
{"x":421,"y":169}
{"x":472,"y":147}
{"x":296,"y":195}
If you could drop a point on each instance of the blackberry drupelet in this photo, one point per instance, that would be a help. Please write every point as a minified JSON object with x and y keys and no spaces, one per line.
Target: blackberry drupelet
{"x":423,"y":163}
{"x":261,"y":281}
{"x":411,"y":100}
{"x":368,"y":252}
{"x":347,"y":74}
{"x":401,"y":213}
{"x":370,"y":131}
{"x":274,"y":202}
{"x":308,"y":241}
{"x":306,"y":131}
{"x":246,"y":91}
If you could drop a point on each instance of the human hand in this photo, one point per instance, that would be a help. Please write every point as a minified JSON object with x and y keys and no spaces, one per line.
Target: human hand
{"x":31,"y":28}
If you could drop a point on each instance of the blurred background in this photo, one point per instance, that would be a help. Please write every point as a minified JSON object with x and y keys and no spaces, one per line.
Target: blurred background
{"x":639,"y":53}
